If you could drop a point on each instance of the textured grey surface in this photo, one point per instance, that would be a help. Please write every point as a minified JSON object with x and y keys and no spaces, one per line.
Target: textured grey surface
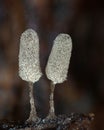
{"x":29,"y":65}
{"x":59,"y":59}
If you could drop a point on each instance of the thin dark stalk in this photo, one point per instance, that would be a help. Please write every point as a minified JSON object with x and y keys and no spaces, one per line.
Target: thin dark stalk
{"x":51,"y":102}
{"x":33,"y":114}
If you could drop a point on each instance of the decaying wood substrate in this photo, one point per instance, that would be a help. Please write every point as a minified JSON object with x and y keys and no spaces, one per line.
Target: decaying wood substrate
{"x":73,"y":121}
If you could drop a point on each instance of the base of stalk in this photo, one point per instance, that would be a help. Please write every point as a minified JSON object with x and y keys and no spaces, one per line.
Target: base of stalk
{"x":32,"y":119}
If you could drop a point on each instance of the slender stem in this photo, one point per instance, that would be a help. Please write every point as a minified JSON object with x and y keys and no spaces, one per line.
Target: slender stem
{"x":52,"y":110}
{"x":33,"y":113}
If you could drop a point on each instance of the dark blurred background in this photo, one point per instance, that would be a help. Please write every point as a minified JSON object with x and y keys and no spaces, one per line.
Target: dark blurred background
{"x":83,"y":20}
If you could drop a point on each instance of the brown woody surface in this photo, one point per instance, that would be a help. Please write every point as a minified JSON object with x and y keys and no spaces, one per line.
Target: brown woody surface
{"x":73,"y":121}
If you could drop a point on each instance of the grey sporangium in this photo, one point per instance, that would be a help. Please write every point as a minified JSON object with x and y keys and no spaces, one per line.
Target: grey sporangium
{"x":58,"y":64}
{"x":29,"y":65}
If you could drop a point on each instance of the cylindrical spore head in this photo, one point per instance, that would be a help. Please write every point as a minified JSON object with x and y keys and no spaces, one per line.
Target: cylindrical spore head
{"x":59,"y":59}
{"x":29,"y":65}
